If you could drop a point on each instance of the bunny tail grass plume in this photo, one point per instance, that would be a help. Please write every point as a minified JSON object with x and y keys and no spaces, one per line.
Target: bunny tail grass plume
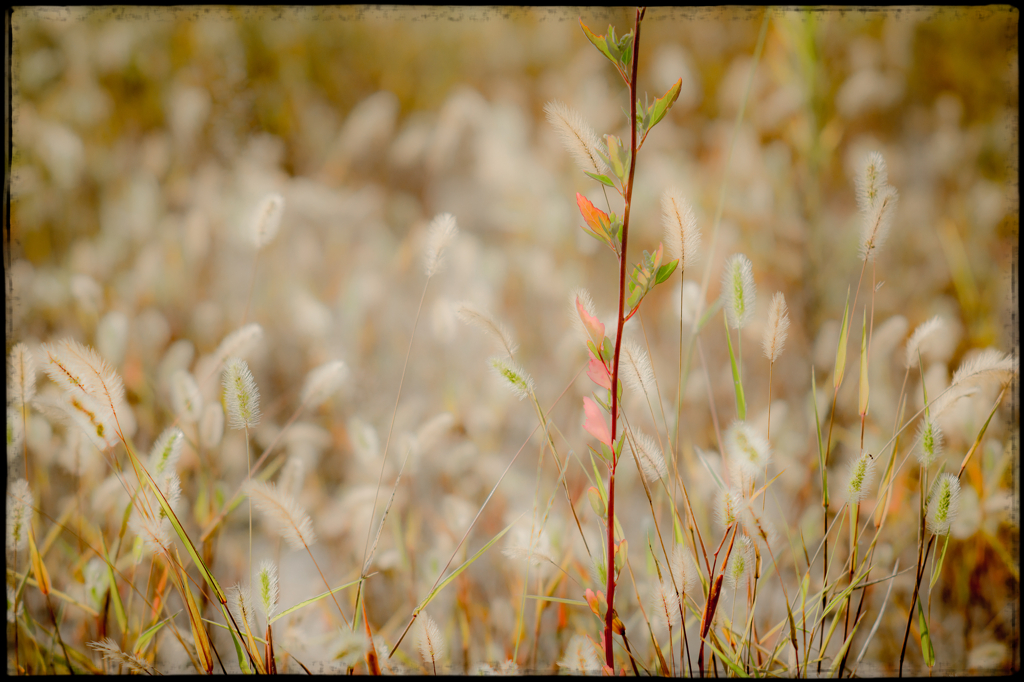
{"x":652,"y":462}
{"x":322,"y":382}
{"x":21,"y":386}
{"x":917,"y":339}
{"x":515,"y":376}
{"x":186,"y":399}
{"x":19,"y":514}
{"x":943,"y":504}
{"x":738,"y":290}
{"x":747,"y":448}
{"x":684,"y":570}
{"x":741,"y":562}
{"x":239,"y":342}
{"x":431,"y":643}
{"x":636,"y":370}
{"x":777,"y":330}
{"x":81,"y":372}
{"x":155,"y":533}
{"x":728,"y":506}
{"x":241,"y":396}
{"x":681,"y":233}
{"x":587,"y":303}
{"x":665,"y":603}
{"x":442,"y":231}
{"x":988,"y":363}
{"x":861,"y":478}
{"x":163,"y":458}
{"x":577,"y":137}
{"x":266,"y":220}
{"x":878,"y":222}
{"x":350,"y":647}
{"x":480,"y":319}
{"x":112,"y":652}
{"x":871,"y":180}
{"x":283,"y":514}
{"x":267,"y":588}
{"x":929,"y":442}
{"x":580,"y":656}
{"x":240,"y":605}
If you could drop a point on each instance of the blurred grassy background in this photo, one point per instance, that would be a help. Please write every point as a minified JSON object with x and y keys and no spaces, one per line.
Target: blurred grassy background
{"x":141,"y":138}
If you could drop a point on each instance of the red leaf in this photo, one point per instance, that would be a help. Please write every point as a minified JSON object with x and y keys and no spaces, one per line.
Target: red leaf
{"x":596,"y":219}
{"x":593,"y":326}
{"x":598,"y":373}
{"x":595,"y":424}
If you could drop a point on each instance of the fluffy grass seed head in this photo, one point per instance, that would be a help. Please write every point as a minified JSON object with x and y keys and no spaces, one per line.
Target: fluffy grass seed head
{"x":350,"y":647}
{"x":322,"y":382}
{"x":738,"y":290}
{"x":878,"y":222}
{"x":186,"y":399}
{"x":917,"y":339}
{"x":482,"y":320}
{"x":684,"y":569}
{"x":431,"y":642}
{"x":21,"y":376}
{"x":83,"y":373}
{"x":747,"y":449}
{"x":861,"y":478}
{"x":681,"y":233}
{"x":729,"y":506}
{"x":636,"y":370}
{"x":578,"y":138}
{"x":930,"y":440}
{"x":741,"y":562}
{"x":872,"y":178}
{"x":988,"y":363}
{"x":580,"y":656}
{"x":19,"y":514}
{"x":111,"y":652}
{"x":943,"y":504}
{"x":283,"y":514}
{"x":665,"y":603}
{"x":652,"y":462}
{"x":267,"y":588}
{"x":240,"y":605}
{"x":442,"y":231}
{"x":154,"y":533}
{"x":163,"y":457}
{"x":514,"y":375}
{"x":266,"y":220}
{"x":777,"y":329}
{"x":241,"y":396}
{"x":239,"y":343}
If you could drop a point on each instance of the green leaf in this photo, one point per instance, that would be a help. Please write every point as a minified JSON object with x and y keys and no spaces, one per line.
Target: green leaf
{"x":927,"y":650}
{"x":665,"y":271}
{"x":317,"y":598}
{"x":725,"y":659}
{"x":821,"y":445}
{"x":573,"y":602}
{"x":147,"y":635}
{"x":469,"y":562}
{"x":837,"y":661}
{"x":617,"y":158}
{"x":664,"y":103}
{"x":115,"y":596}
{"x":603,"y":179}
{"x":737,"y":382}
{"x":841,"y":350}
{"x":599,"y":42}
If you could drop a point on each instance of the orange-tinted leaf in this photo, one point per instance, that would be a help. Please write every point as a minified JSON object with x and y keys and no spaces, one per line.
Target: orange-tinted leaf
{"x":595,"y":424}
{"x":598,"y":373}
{"x":595,"y":218}
{"x":594,"y":327}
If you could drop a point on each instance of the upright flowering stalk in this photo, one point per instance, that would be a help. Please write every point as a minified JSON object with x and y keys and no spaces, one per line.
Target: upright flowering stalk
{"x":242,"y":398}
{"x":613,"y":165}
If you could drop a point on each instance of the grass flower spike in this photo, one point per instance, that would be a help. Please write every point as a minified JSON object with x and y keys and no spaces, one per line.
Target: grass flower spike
{"x":943,"y":504}
{"x":514,"y":375}
{"x":186,"y":397}
{"x":861,"y":478}
{"x":577,"y":137}
{"x":741,"y":562}
{"x":267,"y":588}
{"x":266,"y":220}
{"x":929,"y":442}
{"x":747,"y":448}
{"x":738,"y":290}
{"x":239,"y":342}
{"x":322,"y":382}
{"x":580,"y":656}
{"x":636,"y":370}
{"x":652,"y":462}
{"x":282,"y":514}
{"x":241,"y":396}
{"x":480,"y":319}
{"x":19,"y":514}
{"x":917,"y":339}
{"x":777,"y":329}
{"x":431,"y":642}
{"x":681,"y":234}
{"x":441,"y":232}
{"x":878,"y":222}
{"x":871,"y":180}
{"x":21,"y":384}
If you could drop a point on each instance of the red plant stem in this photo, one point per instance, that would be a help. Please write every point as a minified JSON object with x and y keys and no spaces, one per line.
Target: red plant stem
{"x":610,"y":615}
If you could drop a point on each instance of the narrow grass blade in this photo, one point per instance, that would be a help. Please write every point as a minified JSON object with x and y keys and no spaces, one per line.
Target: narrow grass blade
{"x":737,"y":382}
{"x":821,"y":446}
{"x":865,"y":386}
{"x":147,"y":635}
{"x":42,"y":576}
{"x":927,"y":650}
{"x":316,"y":599}
{"x":844,"y":332}
{"x":846,"y":645}
{"x":195,"y":619}
{"x":454,"y":574}
{"x":725,"y":659}
{"x":938,"y":564}
{"x":541,"y":597}
{"x":115,"y":596}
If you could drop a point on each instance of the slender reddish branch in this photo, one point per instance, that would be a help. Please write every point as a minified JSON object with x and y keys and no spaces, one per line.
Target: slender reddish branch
{"x":610,"y":615}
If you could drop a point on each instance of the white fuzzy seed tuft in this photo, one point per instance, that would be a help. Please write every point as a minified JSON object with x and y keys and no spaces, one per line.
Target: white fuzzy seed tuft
{"x":681,"y":234}
{"x":266,"y":220}
{"x":943,"y":504}
{"x":482,"y":320}
{"x":652,"y":462}
{"x":21,"y":373}
{"x":241,"y":395}
{"x":514,"y":375}
{"x":282,"y":514}
{"x":578,"y":138}
{"x":431,"y":642}
{"x":777,"y":329}
{"x":186,"y":397}
{"x":878,"y":222}
{"x":580,"y":656}
{"x":873,"y":177}
{"x":19,"y":514}
{"x":747,"y":448}
{"x":322,"y":382}
{"x":930,"y":440}
{"x":442,"y":231}
{"x":738,"y":290}
{"x":917,"y":339}
{"x":860,"y":479}
{"x":636,"y":371}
